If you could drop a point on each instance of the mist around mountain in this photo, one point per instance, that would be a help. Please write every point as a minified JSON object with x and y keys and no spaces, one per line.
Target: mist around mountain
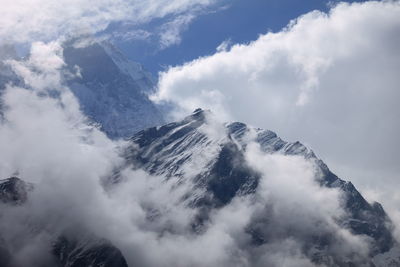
{"x":113,"y":91}
{"x":88,"y":181}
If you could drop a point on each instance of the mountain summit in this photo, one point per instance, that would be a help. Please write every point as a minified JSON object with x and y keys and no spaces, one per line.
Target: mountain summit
{"x":112,"y":90}
{"x":214,"y":157}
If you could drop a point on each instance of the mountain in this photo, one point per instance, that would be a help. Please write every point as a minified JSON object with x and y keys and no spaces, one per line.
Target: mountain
{"x":208,"y":165}
{"x":14,"y":191}
{"x":70,"y":249}
{"x":207,"y":160}
{"x":112,"y":90}
{"x":217,"y":166}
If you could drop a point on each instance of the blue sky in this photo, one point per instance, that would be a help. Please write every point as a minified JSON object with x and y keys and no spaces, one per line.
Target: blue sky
{"x":239,"y":21}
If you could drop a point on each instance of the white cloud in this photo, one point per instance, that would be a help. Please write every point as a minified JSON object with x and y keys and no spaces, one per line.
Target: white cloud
{"x":139,"y":34}
{"x":224,"y":46}
{"x":48,"y":141}
{"x":170,"y":32}
{"x":43,"y":20}
{"x":300,"y":206}
{"x":44,"y":119}
{"x":329,"y":80}
{"x":42,"y":70}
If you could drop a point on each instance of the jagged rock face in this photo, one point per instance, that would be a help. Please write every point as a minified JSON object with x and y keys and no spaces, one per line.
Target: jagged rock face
{"x":76,"y":253}
{"x":223,"y":173}
{"x":68,"y":250}
{"x":112,"y":90}
{"x":14,"y":191}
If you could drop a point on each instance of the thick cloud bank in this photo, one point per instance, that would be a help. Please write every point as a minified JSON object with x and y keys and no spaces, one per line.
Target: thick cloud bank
{"x":49,"y":142}
{"x":330,"y":80}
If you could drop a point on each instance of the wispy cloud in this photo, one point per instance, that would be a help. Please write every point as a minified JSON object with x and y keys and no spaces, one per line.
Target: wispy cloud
{"x":43,"y":20}
{"x":170,"y":32}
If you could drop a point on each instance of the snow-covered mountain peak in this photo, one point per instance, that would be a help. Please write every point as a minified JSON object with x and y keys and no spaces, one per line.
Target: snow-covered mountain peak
{"x":130,"y":68}
{"x":112,"y":90}
{"x":216,"y":163}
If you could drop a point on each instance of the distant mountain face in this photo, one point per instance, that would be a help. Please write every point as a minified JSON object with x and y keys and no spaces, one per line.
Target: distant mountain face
{"x":112,"y":90}
{"x":174,"y":150}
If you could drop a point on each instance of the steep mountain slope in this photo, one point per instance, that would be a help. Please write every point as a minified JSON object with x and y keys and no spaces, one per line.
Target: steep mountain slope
{"x":71,"y":249}
{"x":112,"y":90}
{"x":213,"y":158}
{"x":14,"y":191}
